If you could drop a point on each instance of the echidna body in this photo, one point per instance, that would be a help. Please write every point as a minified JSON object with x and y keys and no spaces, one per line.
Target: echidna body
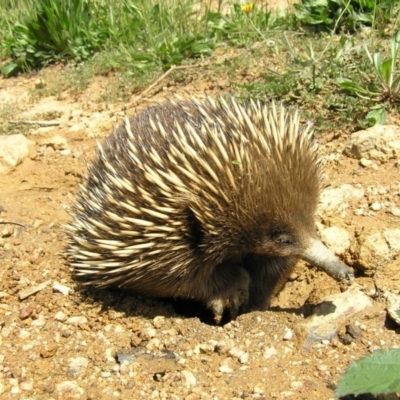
{"x":209,"y":200}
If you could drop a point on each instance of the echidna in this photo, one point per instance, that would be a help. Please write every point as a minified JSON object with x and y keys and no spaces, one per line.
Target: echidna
{"x":209,"y":200}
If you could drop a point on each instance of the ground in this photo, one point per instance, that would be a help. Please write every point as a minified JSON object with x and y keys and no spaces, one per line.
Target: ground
{"x":67,"y":343}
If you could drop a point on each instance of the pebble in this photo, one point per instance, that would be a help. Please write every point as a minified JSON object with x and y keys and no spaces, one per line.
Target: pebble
{"x":296,"y":385}
{"x":269,"y":352}
{"x":225,"y":366}
{"x":60,"y":316}
{"x":26,"y":386}
{"x":48,"y":350}
{"x":189,"y":379}
{"x":365,"y":162}
{"x":376,"y":206}
{"x":288,"y":334}
{"x":25,"y":312}
{"x":77,"y":365}
{"x":77,"y":320}
{"x":25,"y":293}
{"x":58,"y":287}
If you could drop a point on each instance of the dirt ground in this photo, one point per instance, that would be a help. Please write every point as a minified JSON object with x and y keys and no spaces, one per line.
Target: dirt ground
{"x":66,"y":343}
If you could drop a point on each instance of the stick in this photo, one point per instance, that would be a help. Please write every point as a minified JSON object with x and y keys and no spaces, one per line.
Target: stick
{"x":162,"y":77}
{"x":40,"y":123}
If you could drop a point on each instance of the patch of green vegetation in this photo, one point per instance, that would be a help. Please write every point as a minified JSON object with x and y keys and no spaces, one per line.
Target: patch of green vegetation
{"x":313,"y":78}
{"x":138,"y":35}
{"x":346,"y":15}
{"x":7,"y":114}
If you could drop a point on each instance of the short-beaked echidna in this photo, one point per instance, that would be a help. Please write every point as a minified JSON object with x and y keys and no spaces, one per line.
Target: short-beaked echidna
{"x":210,"y":200}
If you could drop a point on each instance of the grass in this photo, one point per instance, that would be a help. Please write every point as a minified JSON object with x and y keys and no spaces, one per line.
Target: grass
{"x":255,"y":51}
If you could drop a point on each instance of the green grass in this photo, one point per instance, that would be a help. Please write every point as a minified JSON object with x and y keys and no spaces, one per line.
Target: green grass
{"x":256,"y":52}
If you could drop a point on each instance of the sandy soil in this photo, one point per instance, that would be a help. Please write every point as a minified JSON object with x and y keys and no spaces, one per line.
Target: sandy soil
{"x":72,"y":345}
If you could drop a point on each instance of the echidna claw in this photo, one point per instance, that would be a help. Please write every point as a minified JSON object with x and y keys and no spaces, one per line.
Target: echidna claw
{"x":217,"y":307}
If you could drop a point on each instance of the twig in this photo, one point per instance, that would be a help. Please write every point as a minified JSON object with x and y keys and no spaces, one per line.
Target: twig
{"x":162,"y":77}
{"x":12,"y":223}
{"x":40,"y":123}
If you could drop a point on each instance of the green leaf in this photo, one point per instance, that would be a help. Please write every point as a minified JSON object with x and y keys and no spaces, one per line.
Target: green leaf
{"x":377,"y":115}
{"x":353,"y":87}
{"x":386,"y":72}
{"x":376,"y":373}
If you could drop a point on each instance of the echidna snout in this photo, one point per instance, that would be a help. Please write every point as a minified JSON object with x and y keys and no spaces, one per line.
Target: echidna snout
{"x":208,"y":200}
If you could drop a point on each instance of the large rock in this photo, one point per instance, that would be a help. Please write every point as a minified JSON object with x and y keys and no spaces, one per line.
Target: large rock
{"x":374,"y":249}
{"x":338,"y":199}
{"x":381,"y":142}
{"x":331,"y":315}
{"x":13,"y":149}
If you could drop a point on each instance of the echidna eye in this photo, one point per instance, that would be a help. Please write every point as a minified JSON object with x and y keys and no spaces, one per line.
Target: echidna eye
{"x":284,"y":238}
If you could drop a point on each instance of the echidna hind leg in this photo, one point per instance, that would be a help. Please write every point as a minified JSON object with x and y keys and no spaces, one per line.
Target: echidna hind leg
{"x":267,"y":275}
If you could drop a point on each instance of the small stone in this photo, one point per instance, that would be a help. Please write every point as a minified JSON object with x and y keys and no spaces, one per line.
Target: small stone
{"x":25,"y":312}
{"x":269,"y":352}
{"x":189,"y":379}
{"x":395,"y":211}
{"x":207,"y":348}
{"x":148,"y":333}
{"x":26,"y":386}
{"x":39,"y":84}
{"x":354,"y":331}
{"x":25,"y":293}
{"x":244,"y":358}
{"x":375,"y":206}
{"x":158,"y":322}
{"x":225,"y":366}
{"x":77,"y":320}
{"x":77,"y":366}
{"x":223,"y":346}
{"x":58,"y":287}
{"x":365,"y":162}
{"x":48,"y":350}
{"x":154,"y":344}
{"x":296,"y":385}
{"x":288,"y":334}
{"x":69,"y":390}
{"x":60,"y":316}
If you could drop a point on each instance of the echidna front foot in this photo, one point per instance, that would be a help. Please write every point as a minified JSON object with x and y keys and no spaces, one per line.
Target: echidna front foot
{"x":232,"y":297}
{"x":233,"y":304}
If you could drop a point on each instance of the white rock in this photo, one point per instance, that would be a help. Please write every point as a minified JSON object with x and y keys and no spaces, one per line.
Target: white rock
{"x":244,"y":358}
{"x":337,"y":198}
{"x":154,"y":344}
{"x":58,"y":287}
{"x":236,"y":352}
{"x":60,"y":316}
{"x":288,"y":334}
{"x":77,"y":365}
{"x":331,"y":314}
{"x":336,"y":239}
{"x":76,"y":320}
{"x":13,"y":149}
{"x":26,"y":386}
{"x":373,"y":250}
{"x":296,"y":385}
{"x":189,"y":378}
{"x":392,"y":237}
{"x":70,"y":390}
{"x":375,"y":206}
{"x":269,"y":352}
{"x":380,"y":142}
{"x":226,"y":366}
{"x":365,"y":162}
